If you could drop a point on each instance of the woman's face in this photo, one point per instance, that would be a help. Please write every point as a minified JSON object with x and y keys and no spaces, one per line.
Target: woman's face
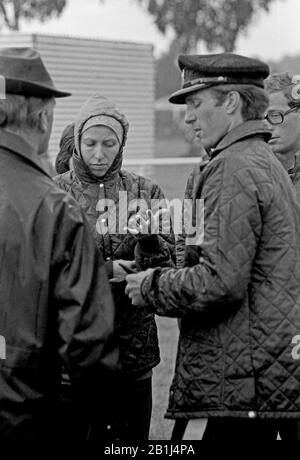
{"x":99,"y":147}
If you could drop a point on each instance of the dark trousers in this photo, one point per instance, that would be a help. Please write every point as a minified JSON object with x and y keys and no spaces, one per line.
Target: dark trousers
{"x":129,"y":415}
{"x":226,"y":428}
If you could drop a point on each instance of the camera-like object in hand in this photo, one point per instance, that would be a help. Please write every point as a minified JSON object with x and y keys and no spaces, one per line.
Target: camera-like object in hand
{"x":146,"y":223}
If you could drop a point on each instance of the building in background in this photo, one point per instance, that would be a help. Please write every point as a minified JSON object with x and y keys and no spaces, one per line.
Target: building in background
{"x":173,"y":137}
{"x":124,"y":72}
{"x":121,"y":71}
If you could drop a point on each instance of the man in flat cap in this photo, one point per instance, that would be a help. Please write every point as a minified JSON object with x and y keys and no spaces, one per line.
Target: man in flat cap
{"x":56,"y":306}
{"x":238,"y":296}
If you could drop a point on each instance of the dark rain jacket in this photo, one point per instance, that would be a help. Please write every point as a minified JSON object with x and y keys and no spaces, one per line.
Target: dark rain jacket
{"x":56,"y":306}
{"x":135,"y":327}
{"x":239,"y":298}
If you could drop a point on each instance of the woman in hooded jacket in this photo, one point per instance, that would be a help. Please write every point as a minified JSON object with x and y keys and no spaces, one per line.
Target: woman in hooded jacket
{"x":117,"y":204}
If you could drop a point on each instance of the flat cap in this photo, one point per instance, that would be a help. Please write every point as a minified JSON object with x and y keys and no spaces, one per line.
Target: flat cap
{"x":202,"y":71}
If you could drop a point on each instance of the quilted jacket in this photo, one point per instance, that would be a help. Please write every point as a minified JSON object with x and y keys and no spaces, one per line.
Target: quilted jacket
{"x":239,"y":298}
{"x":135,"y":328}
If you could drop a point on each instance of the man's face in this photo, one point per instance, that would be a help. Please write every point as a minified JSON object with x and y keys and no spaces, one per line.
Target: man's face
{"x":286,"y":136}
{"x":210,"y":122}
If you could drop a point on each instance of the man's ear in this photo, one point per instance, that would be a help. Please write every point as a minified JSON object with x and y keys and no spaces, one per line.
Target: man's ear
{"x":232,"y":102}
{"x":44,"y":120}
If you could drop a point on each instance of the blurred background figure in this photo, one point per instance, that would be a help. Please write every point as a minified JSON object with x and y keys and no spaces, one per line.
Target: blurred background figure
{"x":63,"y":162}
{"x":283,"y":117}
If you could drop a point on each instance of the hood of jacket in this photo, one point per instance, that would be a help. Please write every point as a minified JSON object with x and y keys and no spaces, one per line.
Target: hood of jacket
{"x":97,"y":105}
{"x":66,"y":149}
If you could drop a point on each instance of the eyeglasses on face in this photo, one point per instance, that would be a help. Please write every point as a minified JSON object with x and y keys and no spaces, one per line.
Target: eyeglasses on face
{"x":276,"y":117}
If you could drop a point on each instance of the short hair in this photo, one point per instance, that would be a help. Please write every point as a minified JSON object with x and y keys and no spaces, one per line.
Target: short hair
{"x":282,"y":82}
{"x":255,"y":100}
{"x":22,"y":112}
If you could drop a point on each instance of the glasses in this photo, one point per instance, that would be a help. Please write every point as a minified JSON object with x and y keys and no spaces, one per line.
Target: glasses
{"x":275,"y":117}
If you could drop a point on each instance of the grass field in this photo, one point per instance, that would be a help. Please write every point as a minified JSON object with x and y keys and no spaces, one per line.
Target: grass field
{"x":172,"y":179}
{"x":163,"y":374}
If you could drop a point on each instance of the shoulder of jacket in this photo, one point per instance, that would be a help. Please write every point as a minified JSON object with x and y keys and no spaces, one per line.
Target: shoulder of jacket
{"x":244,"y":161}
{"x":128,"y":175}
{"x":145,"y":183}
{"x":65,"y":178}
{"x":67,"y":181}
{"x":58,"y":200}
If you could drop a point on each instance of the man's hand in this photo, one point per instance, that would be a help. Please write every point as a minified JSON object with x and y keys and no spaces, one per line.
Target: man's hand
{"x":145,"y":223}
{"x":133,"y":288}
{"x":121,"y":268}
{"x":139,"y":225}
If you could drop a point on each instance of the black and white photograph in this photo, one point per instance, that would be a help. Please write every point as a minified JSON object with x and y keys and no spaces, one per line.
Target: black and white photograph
{"x":149,"y":223}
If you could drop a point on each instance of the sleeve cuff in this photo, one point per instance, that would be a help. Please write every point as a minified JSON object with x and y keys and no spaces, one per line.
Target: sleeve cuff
{"x":150,"y":244}
{"x":147,"y":288}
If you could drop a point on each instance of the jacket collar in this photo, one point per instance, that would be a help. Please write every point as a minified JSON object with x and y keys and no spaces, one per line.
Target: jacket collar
{"x":18,"y":146}
{"x":249,"y":128}
{"x":296,"y":168}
